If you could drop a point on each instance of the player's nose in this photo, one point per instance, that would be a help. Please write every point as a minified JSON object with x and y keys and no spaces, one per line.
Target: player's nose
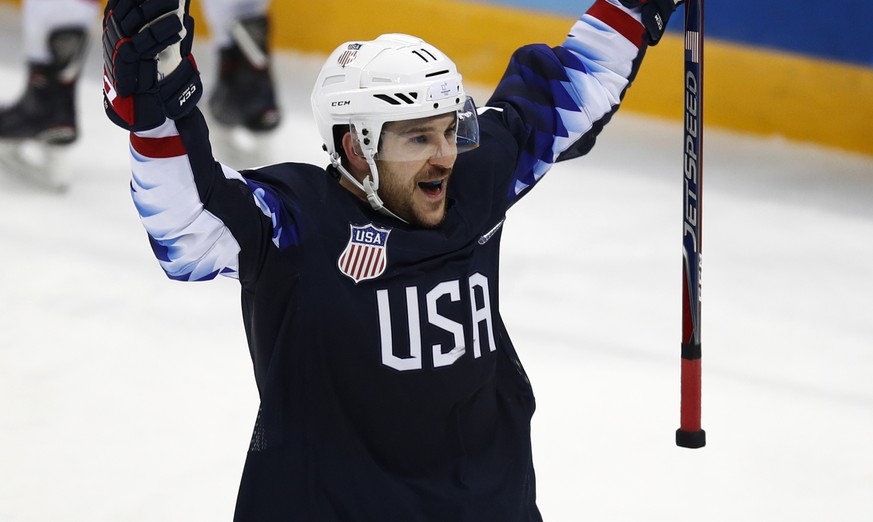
{"x":445,"y":154}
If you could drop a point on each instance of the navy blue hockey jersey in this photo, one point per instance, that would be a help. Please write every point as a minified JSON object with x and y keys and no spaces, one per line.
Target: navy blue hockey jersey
{"x":389,"y":387}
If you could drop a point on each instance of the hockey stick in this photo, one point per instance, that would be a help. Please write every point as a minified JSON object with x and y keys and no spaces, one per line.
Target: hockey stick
{"x":690,"y":434}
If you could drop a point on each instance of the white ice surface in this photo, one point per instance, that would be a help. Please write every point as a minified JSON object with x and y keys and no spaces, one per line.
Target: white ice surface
{"x":127,"y":397}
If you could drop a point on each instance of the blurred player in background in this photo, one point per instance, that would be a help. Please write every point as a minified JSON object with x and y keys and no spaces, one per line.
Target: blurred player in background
{"x":42,"y":122}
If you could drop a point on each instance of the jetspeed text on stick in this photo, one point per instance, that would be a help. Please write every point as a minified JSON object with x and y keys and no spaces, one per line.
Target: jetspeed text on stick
{"x":692,"y":158}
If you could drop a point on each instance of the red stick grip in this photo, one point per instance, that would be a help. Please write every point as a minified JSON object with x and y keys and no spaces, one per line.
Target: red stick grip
{"x":690,"y":406}
{"x":690,"y":434}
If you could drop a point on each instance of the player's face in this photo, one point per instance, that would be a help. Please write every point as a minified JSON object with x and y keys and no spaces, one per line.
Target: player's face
{"x":418,"y":156}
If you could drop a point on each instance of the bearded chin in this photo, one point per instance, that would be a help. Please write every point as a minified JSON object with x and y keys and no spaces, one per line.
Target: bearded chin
{"x":439,"y":221}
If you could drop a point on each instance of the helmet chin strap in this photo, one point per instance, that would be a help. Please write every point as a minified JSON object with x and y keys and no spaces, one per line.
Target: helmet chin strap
{"x":369,"y":188}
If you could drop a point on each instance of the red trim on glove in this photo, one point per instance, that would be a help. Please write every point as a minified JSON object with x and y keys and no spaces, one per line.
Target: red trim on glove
{"x":123,"y":107}
{"x":190,"y":58}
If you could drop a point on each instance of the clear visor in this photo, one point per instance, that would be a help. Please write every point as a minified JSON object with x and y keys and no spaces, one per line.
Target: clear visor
{"x":428,"y":138}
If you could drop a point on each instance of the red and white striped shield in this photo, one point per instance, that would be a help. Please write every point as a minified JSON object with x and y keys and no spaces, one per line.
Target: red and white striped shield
{"x":365,"y":256}
{"x":349,"y":55}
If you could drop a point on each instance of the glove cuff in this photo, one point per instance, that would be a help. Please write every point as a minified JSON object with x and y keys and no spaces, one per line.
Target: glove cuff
{"x":655,"y":15}
{"x":182,"y":89}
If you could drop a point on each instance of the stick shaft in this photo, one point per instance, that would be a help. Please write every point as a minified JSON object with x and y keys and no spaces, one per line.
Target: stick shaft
{"x":690,"y":434}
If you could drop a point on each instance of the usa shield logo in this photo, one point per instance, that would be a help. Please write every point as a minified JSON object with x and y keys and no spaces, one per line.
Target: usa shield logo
{"x":349,"y":55}
{"x":365,"y":256}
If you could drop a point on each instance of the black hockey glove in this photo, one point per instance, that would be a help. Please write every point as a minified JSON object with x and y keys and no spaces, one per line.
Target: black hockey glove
{"x":149,"y":73}
{"x":656,"y":14}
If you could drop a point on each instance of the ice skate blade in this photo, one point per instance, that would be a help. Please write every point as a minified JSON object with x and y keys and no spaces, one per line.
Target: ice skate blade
{"x":36,"y":163}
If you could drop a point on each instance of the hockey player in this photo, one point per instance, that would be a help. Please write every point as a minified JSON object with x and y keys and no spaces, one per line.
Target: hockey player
{"x":43,"y":120}
{"x":244,"y":96}
{"x":389,"y":387}
{"x":244,"y":99}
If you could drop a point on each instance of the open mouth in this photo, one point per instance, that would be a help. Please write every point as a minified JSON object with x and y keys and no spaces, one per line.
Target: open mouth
{"x":432,"y":188}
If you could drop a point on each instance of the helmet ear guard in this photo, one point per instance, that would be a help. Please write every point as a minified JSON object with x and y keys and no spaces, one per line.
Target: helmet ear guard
{"x":366,"y":84}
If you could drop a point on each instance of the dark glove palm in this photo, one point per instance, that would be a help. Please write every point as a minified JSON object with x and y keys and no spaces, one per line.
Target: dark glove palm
{"x":135,"y":32}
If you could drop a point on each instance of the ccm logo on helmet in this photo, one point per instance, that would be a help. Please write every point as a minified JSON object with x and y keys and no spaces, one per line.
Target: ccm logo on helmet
{"x":342,"y":103}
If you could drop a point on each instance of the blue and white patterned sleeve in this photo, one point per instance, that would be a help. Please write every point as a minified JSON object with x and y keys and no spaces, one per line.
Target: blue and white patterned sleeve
{"x":556,"y":100}
{"x":200,"y":216}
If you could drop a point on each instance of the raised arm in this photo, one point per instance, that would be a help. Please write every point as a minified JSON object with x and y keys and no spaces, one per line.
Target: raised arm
{"x":201,"y":216}
{"x":556,"y":100}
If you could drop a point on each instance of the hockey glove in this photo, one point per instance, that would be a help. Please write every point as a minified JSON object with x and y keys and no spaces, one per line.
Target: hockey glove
{"x":655,"y":13}
{"x":149,"y":73}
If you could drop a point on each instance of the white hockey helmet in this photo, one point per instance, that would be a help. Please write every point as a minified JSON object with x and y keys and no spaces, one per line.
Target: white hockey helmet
{"x":365,"y":84}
